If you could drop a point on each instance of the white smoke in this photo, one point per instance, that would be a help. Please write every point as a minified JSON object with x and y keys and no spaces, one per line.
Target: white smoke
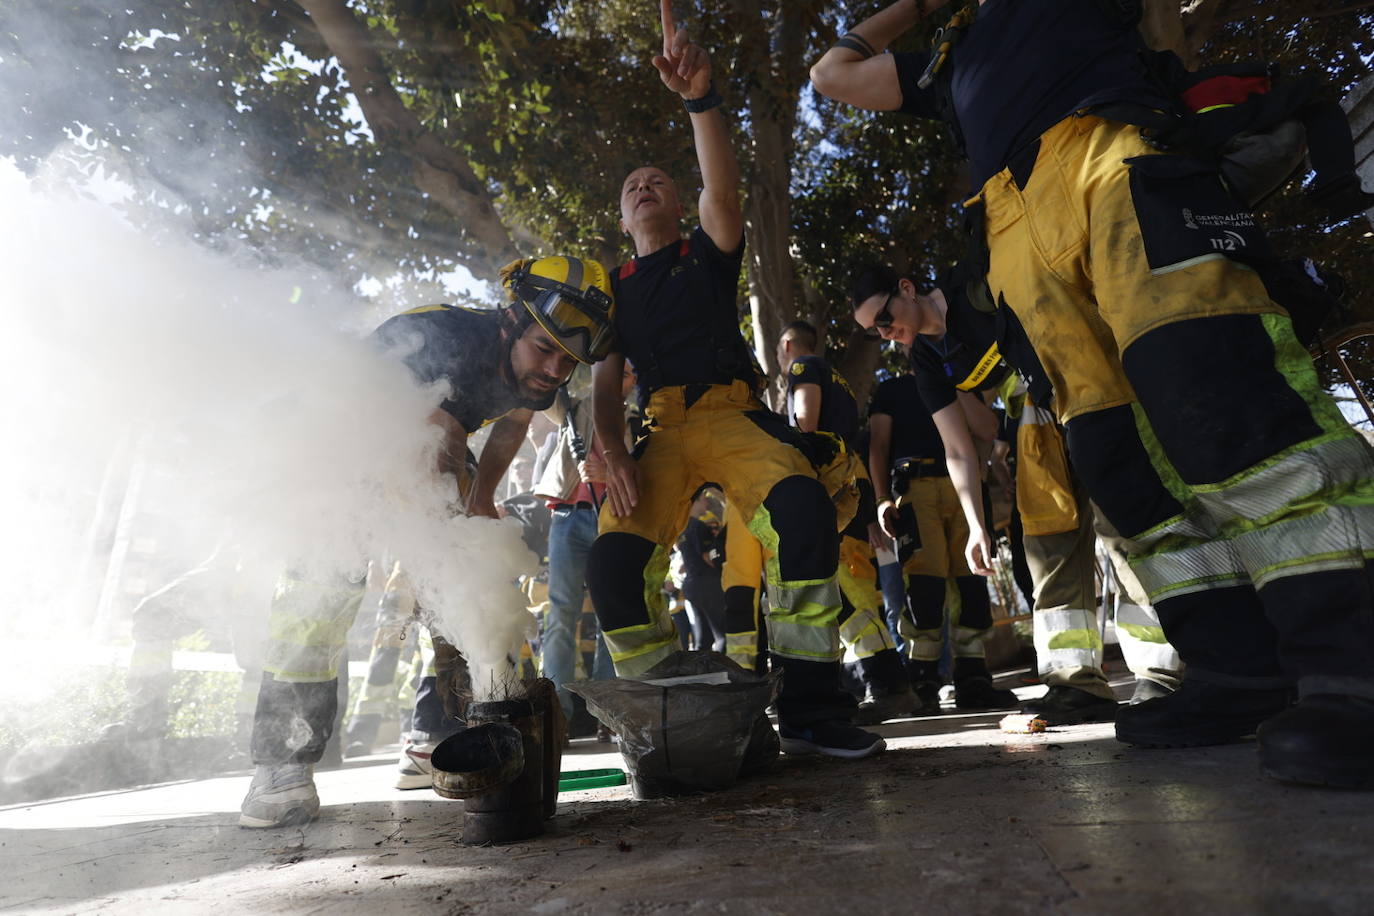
{"x":238,"y":406}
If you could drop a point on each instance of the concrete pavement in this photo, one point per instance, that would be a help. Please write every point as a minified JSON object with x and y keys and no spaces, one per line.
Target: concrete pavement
{"x":956,"y":817}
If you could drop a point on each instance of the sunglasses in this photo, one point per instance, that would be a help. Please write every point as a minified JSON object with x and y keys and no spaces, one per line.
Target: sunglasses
{"x":881,"y":320}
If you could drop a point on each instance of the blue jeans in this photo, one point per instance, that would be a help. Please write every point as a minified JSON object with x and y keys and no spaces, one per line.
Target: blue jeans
{"x":571,"y":534}
{"x":894,"y":600}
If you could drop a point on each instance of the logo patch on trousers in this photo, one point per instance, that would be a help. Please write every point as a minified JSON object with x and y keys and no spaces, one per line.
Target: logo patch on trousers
{"x":1231,"y":241}
{"x":1185,"y":213}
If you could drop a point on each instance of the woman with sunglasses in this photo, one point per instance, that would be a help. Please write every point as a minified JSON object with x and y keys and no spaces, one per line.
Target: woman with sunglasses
{"x":957,"y":348}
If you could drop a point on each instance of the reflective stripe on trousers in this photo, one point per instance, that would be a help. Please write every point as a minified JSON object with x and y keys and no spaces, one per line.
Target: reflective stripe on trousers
{"x":1143,"y":644}
{"x":308,"y":626}
{"x":728,"y":437}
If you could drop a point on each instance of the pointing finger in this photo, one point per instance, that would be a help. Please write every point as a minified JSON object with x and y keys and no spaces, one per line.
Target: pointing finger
{"x":665,"y":10}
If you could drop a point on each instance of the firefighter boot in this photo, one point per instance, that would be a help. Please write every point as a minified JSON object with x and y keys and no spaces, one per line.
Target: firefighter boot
{"x":1325,"y":740}
{"x":1202,"y":712}
{"x":1065,"y":705}
{"x":925,"y":683}
{"x":887,"y":694}
{"x":973,"y":687}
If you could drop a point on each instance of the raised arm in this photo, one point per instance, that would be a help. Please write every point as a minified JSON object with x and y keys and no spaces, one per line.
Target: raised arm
{"x":685,"y":68}
{"x":856,"y":71}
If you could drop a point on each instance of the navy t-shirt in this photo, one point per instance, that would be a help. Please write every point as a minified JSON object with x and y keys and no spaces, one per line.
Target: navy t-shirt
{"x":977,"y":352}
{"x":464,"y":347}
{"x":839,"y":412}
{"x":913,"y":431}
{"x":677,"y":317}
{"x":696,"y":542}
{"x":1025,"y":65}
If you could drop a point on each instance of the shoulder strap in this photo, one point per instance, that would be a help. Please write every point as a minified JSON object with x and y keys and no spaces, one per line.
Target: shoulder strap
{"x":579,"y":447}
{"x":940,"y":75}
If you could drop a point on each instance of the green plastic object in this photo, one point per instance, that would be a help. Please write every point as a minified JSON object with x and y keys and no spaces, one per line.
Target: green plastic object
{"x":573,"y":780}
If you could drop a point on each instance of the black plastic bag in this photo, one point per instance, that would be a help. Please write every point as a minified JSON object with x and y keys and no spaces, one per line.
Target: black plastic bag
{"x":694,"y":731}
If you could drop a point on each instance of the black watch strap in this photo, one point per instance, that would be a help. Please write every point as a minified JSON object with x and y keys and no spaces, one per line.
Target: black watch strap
{"x":708,"y":101}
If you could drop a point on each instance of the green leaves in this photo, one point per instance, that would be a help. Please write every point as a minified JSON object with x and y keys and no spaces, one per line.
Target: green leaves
{"x":550,"y":102}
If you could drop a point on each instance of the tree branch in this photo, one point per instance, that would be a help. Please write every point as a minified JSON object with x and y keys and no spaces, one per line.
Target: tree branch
{"x":437,"y":169}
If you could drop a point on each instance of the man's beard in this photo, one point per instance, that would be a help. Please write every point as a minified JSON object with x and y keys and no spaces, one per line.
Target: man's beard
{"x":533,"y":392}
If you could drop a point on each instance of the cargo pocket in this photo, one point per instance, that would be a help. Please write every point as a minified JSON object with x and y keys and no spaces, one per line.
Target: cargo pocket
{"x":1044,"y":487}
{"x":1186,"y":215}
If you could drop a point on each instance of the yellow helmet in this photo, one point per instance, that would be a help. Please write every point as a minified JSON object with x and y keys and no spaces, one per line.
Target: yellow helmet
{"x":570,"y":298}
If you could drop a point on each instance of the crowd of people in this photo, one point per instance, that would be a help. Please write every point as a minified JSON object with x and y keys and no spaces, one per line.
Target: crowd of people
{"x":1150,"y":389}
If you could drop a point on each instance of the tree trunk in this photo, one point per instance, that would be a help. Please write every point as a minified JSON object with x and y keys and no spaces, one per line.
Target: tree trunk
{"x":857,"y":365}
{"x":767,"y":226}
{"x":774,"y":54}
{"x":438,"y":170}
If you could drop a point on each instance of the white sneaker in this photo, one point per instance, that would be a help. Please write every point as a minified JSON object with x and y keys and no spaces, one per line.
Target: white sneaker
{"x":280,"y":796}
{"x":416,"y":771}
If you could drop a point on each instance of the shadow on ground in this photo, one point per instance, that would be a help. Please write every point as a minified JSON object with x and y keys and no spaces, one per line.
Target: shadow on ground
{"x":955,"y":818}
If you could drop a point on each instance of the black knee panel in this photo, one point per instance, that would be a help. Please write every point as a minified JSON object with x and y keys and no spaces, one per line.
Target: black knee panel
{"x":1110,"y":460}
{"x":804,"y":519}
{"x":615,"y":579}
{"x":975,"y":608}
{"x":1214,"y":397}
{"x":925,"y":601}
{"x":741,"y":609}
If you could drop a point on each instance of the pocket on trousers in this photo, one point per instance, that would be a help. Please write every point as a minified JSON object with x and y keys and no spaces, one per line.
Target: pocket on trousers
{"x":1186,"y":214}
{"x":1044,"y":487}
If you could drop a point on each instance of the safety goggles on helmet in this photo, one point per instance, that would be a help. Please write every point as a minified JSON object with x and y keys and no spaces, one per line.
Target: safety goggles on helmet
{"x":579,"y":318}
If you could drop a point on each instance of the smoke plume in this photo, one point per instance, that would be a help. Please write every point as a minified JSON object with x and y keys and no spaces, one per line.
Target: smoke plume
{"x":152,"y":389}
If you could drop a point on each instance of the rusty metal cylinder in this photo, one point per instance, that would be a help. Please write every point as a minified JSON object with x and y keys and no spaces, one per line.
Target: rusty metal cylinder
{"x":516,"y":810}
{"x":543,"y":693}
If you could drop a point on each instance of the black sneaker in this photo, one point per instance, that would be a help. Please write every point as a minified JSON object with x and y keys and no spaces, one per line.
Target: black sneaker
{"x":1198,"y":714}
{"x":1147,"y":690}
{"x":978,"y":693}
{"x":878,"y":708}
{"x":927,"y":697}
{"x":357,"y":749}
{"x":1325,"y":740}
{"x":1063,"y":705}
{"x":833,"y":739}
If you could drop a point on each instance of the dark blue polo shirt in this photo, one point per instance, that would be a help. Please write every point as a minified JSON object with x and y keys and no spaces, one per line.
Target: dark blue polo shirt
{"x":1022,"y":67}
{"x":463,"y":347}
{"x":977,"y":351}
{"x":677,"y":315}
{"x":839,"y":412}
{"x":913,"y":431}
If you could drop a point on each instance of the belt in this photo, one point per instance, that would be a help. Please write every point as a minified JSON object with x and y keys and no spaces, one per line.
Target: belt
{"x":922,"y":467}
{"x":581,"y":504}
